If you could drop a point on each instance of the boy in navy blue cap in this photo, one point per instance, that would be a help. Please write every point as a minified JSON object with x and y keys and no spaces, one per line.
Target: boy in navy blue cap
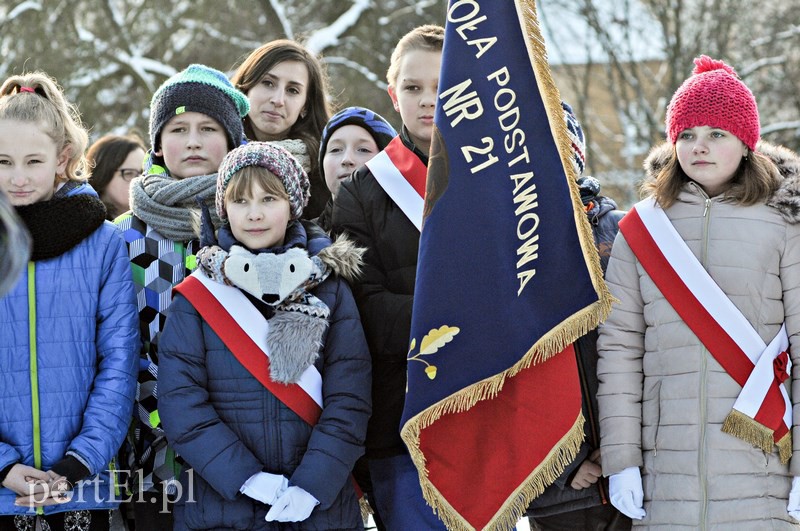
{"x":351,"y":137}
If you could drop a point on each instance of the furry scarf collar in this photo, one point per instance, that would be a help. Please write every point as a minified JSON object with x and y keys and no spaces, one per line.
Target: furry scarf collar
{"x":76,"y":216}
{"x":283,"y":279}
{"x":786,"y":199}
{"x":165,"y":203}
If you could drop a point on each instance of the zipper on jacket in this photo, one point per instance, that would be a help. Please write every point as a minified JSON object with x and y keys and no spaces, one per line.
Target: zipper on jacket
{"x":658,"y":419}
{"x":112,"y":469}
{"x":272,"y":435}
{"x":701,"y":455}
{"x":34,"y":370}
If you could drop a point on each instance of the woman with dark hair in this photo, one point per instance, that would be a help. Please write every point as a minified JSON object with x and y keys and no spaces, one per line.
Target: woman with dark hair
{"x":288,"y":92}
{"x":114,"y":161}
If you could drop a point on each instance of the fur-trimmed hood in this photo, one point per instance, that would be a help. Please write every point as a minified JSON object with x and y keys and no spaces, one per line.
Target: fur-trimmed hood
{"x":344,"y":257}
{"x":786,"y":198}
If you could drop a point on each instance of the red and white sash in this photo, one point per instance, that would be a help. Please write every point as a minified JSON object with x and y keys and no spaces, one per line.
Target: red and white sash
{"x":762,"y":414}
{"x":402,"y":176}
{"x":244,"y":331}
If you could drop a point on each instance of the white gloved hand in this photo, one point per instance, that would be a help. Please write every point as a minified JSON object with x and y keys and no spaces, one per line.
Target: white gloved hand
{"x":265,"y":487}
{"x":626,"y":492}
{"x":793,"y":508}
{"x":294,"y":505}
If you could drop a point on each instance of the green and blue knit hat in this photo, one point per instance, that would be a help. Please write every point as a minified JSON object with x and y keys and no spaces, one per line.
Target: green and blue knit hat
{"x":202,"y":89}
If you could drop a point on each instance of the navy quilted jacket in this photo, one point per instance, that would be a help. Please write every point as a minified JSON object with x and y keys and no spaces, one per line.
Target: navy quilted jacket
{"x":228,"y":426}
{"x":79,"y":377}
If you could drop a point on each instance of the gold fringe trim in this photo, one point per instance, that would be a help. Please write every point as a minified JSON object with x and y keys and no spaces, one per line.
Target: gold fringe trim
{"x":785,"y":447}
{"x":749,"y":430}
{"x":510,"y":513}
{"x":745,"y":428}
{"x":537,"y":53}
{"x":553,"y":342}
{"x":366,"y":510}
{"x":543,"y":476}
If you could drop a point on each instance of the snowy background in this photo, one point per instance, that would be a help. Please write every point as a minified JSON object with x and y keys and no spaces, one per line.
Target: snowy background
{"x":616,"y":61}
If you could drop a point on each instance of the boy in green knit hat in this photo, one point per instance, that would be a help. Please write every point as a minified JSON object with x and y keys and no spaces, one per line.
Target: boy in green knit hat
{"x":195,"y":120}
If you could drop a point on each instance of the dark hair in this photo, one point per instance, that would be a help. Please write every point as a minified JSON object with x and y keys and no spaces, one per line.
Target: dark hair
{"x":261,"y":61}
{"x":106,"y":155}
{"x":754,"y":181}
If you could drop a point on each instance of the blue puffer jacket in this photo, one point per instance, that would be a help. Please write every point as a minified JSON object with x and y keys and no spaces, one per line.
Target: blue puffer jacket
{"x":71,"y":392}
{"x":228,"y":426}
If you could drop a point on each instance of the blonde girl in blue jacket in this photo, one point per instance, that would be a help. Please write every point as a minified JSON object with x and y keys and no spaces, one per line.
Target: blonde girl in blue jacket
{"x":68,"y":327}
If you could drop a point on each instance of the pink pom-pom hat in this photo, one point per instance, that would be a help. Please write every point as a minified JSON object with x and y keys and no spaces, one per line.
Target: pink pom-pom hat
{"x":714,"y":96}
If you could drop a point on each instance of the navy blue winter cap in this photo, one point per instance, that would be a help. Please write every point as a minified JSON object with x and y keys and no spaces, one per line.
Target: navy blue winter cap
{"x":375,"y":124}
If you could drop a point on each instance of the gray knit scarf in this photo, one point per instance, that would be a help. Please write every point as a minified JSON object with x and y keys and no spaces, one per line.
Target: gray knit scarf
{"x":165,"y":203}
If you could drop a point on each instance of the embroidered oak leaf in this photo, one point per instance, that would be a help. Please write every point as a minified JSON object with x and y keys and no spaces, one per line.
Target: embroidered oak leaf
{"x":432,"y":342}
{"x":436,"y":339}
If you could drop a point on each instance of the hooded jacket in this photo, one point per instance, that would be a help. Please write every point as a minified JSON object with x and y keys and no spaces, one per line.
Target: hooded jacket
{"x":228,"y":426}
{"x":663,"y":397}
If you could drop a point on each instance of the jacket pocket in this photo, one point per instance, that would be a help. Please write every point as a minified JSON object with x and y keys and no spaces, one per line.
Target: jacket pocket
{"x":651,"y":419}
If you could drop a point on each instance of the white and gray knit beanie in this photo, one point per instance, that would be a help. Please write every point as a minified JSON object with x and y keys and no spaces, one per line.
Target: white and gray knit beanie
{"x":275,"y":159}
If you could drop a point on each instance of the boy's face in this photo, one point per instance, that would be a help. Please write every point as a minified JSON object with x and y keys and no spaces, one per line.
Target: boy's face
{"x":259,"y":221}
{"x":414,"y":94}
{"x":349,"y":147}
{"x":192,"y":144}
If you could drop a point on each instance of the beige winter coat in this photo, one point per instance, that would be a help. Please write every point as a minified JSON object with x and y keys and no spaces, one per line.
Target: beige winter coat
{"x":663,"y":397}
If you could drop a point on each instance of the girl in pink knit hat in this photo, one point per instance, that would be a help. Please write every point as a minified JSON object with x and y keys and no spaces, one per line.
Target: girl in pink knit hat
{"x":695,"y":360}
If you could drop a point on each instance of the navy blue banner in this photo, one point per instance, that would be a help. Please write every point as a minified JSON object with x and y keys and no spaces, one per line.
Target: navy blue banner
{"x":500,"y":256}
{"x":506,"y":262}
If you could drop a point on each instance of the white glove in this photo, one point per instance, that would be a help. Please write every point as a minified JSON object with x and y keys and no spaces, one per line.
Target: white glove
{"x":626,"y":492}
{"x":294,"y":505}
{"x":793,"y":508}
{"x":265,"y":487}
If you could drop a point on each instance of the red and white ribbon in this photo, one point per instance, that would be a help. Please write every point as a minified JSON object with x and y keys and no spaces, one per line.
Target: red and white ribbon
{"x":402,"y":176}
{"x":244,"y":331}
{"x":717,"y":322}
